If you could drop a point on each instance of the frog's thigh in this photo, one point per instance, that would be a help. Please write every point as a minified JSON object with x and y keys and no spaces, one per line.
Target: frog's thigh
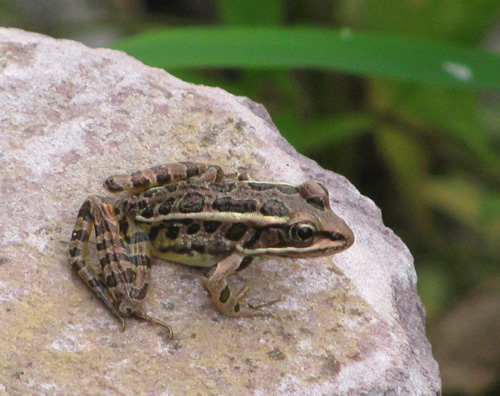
{"x":91,"y":214}
{"x":134,"y":268}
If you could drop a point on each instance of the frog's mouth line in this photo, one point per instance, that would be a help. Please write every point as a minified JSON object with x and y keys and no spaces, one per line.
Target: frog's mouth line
{"x":306,"y":252}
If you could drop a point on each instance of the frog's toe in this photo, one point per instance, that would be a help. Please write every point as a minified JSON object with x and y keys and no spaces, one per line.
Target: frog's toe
{"x":159,"y":322}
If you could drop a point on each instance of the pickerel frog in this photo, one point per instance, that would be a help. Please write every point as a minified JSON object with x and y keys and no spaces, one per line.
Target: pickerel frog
{"x":194,"y":214}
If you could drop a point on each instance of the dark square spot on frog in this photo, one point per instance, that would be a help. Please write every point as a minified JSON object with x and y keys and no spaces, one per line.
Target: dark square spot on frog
{"x":163,"y":176}
{"x":211,"y":226}
{"x":198,"y":248}
{"x":85,"y":211}
{"x":123,"y":224}
{"x":166,"y":207}
{"x":80,"y":235}
{"x":143,"y":203}
{"x":129,"y":275}
{"x":105,"y":260}
{"x":223,"y":187}
{"x":111,"y":281}
{"x":192,"y":202}
{"x":192,"y":228}
{"x":236,"y":232}
{"x":95,"y":283}
{"x":98,"y":231}
{"x":172,"y":232}
{"x":154,"y":231}
{"x":170,"y":188}
{"x":148,"y":212}
{"x":247,"y":260}
{"x":77,"y":264}
{"x":227,"y":204}
{"x":139,"y":180}
{"x":100,"y":246}
{"x":273,"y":207}
{"x":224,"y":295}
{"x":149,"y":193}
{"x":192,"y":169}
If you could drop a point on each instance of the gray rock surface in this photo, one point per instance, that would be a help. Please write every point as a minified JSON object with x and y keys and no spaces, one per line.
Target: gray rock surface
{"x":71,"y":116}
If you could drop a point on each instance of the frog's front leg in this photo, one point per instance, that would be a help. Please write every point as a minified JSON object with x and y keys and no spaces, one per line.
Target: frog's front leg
{"x":123,"y":277}
{"x":228,"y":303}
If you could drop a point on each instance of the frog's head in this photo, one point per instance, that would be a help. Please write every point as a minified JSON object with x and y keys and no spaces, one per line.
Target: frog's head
{"x":311,"y":230}
{"x":310,"y":236}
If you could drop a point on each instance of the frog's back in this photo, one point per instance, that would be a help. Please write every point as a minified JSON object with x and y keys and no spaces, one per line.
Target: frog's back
{"x":199,"y":223}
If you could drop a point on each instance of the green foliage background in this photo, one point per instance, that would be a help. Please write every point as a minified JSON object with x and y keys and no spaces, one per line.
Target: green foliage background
{"x":410,"y":134}
{"x":395,"y":95}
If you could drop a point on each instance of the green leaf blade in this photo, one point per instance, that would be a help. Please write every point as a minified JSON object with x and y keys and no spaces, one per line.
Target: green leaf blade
{"x":342,"y":50}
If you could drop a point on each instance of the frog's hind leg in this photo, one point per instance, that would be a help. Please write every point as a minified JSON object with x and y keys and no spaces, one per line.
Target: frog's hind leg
{"x":129,"y":273}
{"x":78,"y":251}
{"x":163,"y":175}
{"x":122,"y":279}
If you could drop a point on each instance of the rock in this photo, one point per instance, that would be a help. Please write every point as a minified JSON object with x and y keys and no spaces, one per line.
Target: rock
{"x":71,"y":116}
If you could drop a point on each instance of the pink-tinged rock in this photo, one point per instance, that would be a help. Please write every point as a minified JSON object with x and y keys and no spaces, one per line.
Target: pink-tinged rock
{"x":70,"y":117}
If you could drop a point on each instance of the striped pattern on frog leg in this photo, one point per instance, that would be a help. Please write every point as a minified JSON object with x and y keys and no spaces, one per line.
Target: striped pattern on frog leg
{"x":123,"y":276}
{"x":162,"y":175}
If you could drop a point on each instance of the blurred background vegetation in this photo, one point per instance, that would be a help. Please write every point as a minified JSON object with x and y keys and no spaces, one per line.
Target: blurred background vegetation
{"x":418,"y":134}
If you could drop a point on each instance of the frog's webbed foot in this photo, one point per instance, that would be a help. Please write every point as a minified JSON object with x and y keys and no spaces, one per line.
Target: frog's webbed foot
{"x":256,"y":309}
{"x":228,"y":303}
{"x":145,"y":316}
{"x":120,"y":319}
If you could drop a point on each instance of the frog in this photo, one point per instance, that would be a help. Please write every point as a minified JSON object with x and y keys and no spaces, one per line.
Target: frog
{"x":197,"y":214}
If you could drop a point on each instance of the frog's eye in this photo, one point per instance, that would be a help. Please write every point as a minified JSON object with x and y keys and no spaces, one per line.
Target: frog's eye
{"x":303,"y":232}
